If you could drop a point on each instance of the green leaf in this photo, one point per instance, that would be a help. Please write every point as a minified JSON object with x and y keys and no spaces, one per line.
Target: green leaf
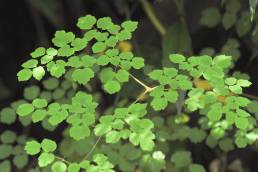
{"x":241,"y":142}
{"x":58,"y":166}
{"x":176,"y":58}
{"x":7,"y":116}
{"x":24,"y":74}
{"x":86,"y":22}
{"x":113,"y":137}
{"x":73,"y":167}
{"x":229,"y":20}
{"x":112,"y":86}
{"x":147,"y":144}
{"x":88,"y":61}
{"x":48,"y":145}
{"x":38,"y":115}
{"x":181,"y":158}
{"x":226,"y":144}
{"x":62,"y":38}
{"x":38,"y":52}
{"x":65,"y":51}
{"x":126,"y":55}
{"x":171,"y":96}
{"x":243,"y":83}
{"x":5,"y":166}
{"x":83,"y":76}
{"x":122,"y":75}
{"x":235,"y":89}
{"x":243,"y":25}
{"x":79,"y":132}
{"x":241,"y":122}
{"x":30,"y":63}
{"x":57,"y":69}
{"x":45,"y":159}
{"x":5,"y":151}
{"x":215,"y":113}
{"x":39,"y":103}
{"x":113,"y":29}
{"x":156,"y":74}
{"x":196,"y":135}
{"x":137,"y":63}
{"x":159,"y":104}
{"x":170,"y":72}
{"x":111,"y":41}
{"x":46,"y":59}
{"x":196,"y":168}
{"x":103,"y":60}
{"x":8,"y":137}
{"x":90,"y":34}
{"x":130,"y":25}
{"x":52,"y":52}
{"x":31,"y":92}
{"x":79,"y":44}
{"x":32,"y":147}
{"x":102,"y":129}
{"x":124,"y":35}
{"x":230,"y":81}
{"x":20,"y":161}
{"x":104,"y":22}
{"x":58,"y":117}
{"x":98,"y":47}
{"x":50,"y":83}
{"x":210,"y":17}
{"x":106,"y":74}
{"x":25,"y":109}
{"x":222,"y":61}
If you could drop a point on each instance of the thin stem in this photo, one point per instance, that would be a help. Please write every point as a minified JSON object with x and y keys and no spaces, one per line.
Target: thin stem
{"x":140,"y":82}
{"x":92,"y":149}
{"x":250,"y":96}
{"x":152,"y":16}
{"x":140,"y":96}
{"x":223,"y":162}
{"x":62,"y":159}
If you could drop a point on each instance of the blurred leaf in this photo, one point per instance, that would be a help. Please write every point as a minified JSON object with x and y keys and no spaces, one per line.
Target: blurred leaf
{"x":253,"y":5}
{"x":176,"y":40}
{"x":210,"y":17}
{"x":50,"y":9}
{"x":243,"y":25}
{"x":228,"y":20}
{"x":5,"y":92}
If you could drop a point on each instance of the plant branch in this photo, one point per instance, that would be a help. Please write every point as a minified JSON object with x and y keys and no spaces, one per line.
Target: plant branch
{"x":250,"y":96}
{"x":152,"y":16}
{"x":140,"y":82}
{"x":143,"y":94}
{"x":92,"y":149}
{"x":62,"y":159}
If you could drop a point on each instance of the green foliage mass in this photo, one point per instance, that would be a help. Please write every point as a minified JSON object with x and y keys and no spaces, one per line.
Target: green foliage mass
{"x":125,"y":136}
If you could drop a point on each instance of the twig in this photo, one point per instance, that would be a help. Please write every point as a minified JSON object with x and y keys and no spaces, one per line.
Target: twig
{"x":92,"y":149}
{"x":62,"y":159}
{"x":153,"y":18}
{"x":250,"y":96}
{"x":140,"y":82}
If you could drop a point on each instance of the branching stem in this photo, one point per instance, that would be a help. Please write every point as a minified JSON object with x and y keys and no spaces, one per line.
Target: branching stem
{"x":140,"y":82}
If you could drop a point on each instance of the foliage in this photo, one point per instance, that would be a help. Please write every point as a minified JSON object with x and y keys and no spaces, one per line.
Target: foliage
{"x":129,"y":135}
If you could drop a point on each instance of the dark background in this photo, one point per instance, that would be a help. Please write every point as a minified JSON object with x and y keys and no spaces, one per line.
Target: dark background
{"x":28,"y":24}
